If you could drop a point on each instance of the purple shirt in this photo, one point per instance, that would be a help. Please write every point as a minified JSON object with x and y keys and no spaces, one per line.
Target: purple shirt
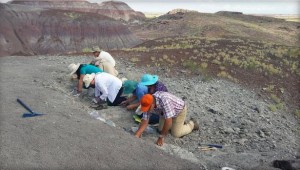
{"x":159,"y":86}
{"x":170,"y":105}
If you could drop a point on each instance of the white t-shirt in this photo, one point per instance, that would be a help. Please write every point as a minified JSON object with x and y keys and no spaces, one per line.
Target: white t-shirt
{"x":108,"y":85}
{"x":105,"y":56}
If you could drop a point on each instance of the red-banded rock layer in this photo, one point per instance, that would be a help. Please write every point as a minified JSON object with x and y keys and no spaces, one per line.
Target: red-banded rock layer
{"x":29,"y":30}
{"x":114,"y":9}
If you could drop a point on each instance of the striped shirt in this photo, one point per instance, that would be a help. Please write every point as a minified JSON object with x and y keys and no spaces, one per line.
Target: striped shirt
{"x":169,"y":104}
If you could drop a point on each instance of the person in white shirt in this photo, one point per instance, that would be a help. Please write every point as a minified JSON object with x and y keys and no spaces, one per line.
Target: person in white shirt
{"x":107,"y":87}
{"x":104,"y":61}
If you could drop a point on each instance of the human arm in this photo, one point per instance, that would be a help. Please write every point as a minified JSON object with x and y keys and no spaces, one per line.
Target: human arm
{"x":133,"y":106}
{"x":129,"y":100}
{"x":104,"y":91}
{"x":80,"y":83}
{"x":167,"y":125}
{"x":93,"y":62}
{"x":142,"y":128}
{"x":97,"y":91}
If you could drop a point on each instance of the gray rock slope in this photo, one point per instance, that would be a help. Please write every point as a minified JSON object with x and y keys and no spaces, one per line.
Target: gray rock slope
{"x":66,"y":137}
{"x":229,"y":115}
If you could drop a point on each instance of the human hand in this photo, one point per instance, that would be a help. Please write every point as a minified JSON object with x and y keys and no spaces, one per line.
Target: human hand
{"x":130,"y":107}
{"x":160,"y":141}
{"x":138,"y":136}
{"x":96,"y":100}
{"x":123,"y":103}
{"x":77,"y":94}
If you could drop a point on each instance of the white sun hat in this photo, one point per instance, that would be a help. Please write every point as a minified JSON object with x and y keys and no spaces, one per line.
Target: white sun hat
{"x":96,"y":49}
{"x":87,"y":79}
{"x":73,"y":68}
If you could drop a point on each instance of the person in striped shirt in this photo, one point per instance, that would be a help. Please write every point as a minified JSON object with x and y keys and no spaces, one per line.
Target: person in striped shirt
{"x":172,"y":112}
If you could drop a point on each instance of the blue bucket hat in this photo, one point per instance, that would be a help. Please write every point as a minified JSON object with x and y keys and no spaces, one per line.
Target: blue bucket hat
{"x":129,"y":86}
{"x":148,"y":79}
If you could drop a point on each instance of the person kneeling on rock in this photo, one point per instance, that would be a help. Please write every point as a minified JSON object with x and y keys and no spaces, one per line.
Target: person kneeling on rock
{"x":79,"y":71}
{"x":173,"y":115}
{"x":149,"y":84}
{"x":104,"y":61}
{"x":107,"y":87}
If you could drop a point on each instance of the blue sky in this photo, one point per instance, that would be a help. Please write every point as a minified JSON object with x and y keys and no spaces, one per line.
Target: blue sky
{"x":211,"y":6}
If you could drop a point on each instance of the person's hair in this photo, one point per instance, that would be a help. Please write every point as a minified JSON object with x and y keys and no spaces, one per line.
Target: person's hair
{"x":78,"y":70}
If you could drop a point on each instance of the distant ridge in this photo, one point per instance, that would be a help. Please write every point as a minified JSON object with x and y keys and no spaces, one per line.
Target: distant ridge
{"x":115,"y":9}
{"x":26,"y":30}
{"x":179,"y":10}
{"x":222,"y":24}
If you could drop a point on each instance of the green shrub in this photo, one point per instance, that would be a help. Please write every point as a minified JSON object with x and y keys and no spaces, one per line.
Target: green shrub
{"x":273,"y":108}
{"x":190,"y":65}
{"x":297,"y":113}
{"x":269,"y":88}
{"x":223,"y":74}
{"x":279,"y":106}
{"x":216,"y":62}
{"x":275,"y":98}
{"x":87,"y":50}
{"x":134,"y":59}
{"x":203,"y":65}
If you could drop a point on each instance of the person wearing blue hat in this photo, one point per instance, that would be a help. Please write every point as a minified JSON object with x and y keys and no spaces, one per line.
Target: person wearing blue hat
{"x":148,"y":84}
{"x":151,"y":81}
{"x":137,"y":94}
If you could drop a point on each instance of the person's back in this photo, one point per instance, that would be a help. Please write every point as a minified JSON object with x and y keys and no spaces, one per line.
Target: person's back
{"x":89,"y":69}
{"x":107,"y":57}
{"x":159,"y":86}
{"x":140,"y":91}
{"x":108,"y":68}
{"x":109,"y":84}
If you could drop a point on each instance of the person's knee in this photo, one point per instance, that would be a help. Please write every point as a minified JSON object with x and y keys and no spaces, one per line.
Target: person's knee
{"x":175,"y":134}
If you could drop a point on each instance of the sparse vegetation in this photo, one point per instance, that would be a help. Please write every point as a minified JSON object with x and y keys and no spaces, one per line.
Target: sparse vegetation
{"x":87,"y":50}
{"x":297,"y":113}
{"x":273,"y":108}
{"x":237,"y":60}
{"x":72,"y":15}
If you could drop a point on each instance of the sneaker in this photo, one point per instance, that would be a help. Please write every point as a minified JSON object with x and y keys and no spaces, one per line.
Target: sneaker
{"x":196,"y":125}
{"x":94,"y":105}
{"x":100,"y":107}
{"x":94,"y":100}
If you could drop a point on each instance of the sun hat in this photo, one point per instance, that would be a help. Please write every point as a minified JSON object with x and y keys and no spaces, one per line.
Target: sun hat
{"x":87,"y":79}
{"x":73,"y":68}
{"x":148,"y":79}
{"x":96,"y":49}
{"x":123,"y":79}
{"x":129,"y":86}
{"x":146,"y":102}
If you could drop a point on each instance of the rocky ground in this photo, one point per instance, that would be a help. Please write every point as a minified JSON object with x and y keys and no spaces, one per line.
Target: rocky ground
{"x":252,"y":136}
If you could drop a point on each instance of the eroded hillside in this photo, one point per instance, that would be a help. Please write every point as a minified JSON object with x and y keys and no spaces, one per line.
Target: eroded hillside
{"x":271,"y":69}
{"x":219,"y":25}
{"x":27,"y":30}
{"x":114,"y":9}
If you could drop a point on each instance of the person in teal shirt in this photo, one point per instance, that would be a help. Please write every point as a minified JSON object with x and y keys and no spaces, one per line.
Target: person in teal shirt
{"x":80,"y":70}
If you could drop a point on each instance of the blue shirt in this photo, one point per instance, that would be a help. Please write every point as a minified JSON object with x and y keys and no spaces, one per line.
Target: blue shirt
{"x":89,"y":69}
{"x":140,"y":91}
